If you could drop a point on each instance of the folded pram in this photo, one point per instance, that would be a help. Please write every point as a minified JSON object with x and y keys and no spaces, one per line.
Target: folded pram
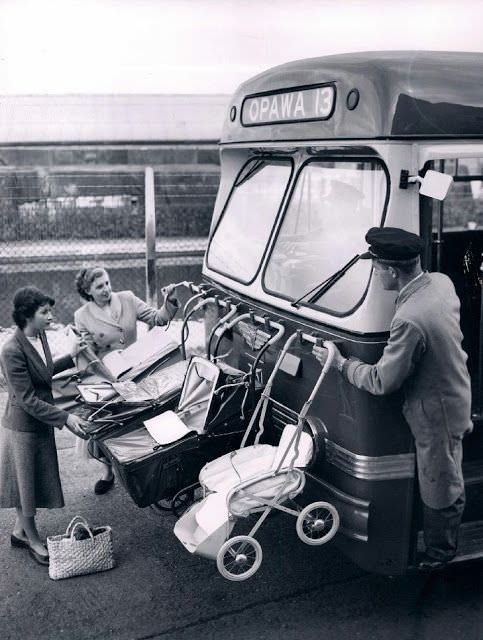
{"x":253,"y":479}
{"x":109,"y":406}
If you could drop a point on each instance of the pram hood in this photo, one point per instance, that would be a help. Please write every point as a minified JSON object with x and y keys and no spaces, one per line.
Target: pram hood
{"x":198,"y":393}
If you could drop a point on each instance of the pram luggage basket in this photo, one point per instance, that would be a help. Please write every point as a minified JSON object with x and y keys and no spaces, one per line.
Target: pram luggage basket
{"x":254,"y":479}
{"x":152,"y":471}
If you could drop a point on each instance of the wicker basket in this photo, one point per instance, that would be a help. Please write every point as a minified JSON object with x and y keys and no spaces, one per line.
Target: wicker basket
{"x":71,"y":556}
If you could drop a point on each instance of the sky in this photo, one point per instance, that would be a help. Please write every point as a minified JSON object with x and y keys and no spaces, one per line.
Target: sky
{"x":207,"y":46}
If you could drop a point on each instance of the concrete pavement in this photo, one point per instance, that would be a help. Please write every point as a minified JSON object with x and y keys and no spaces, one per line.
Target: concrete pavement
{"x":160,"y":591}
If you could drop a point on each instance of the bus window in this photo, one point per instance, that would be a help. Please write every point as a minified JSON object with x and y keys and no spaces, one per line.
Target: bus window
{"x":240,"y":239}
{"x":457,"y":225}
{"x":331,"y":208}
{"x":463,"y":207}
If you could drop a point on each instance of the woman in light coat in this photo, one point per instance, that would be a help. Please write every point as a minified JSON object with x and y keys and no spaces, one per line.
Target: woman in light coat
{"x":108,"y":322}
{"x":29,"y":472}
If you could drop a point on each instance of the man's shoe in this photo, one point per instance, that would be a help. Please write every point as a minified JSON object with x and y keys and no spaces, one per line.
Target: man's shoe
{"x":15,"y":541}
{"x":39,"y":557}
{"x":428,"y":564}
{"x":103,"y":486}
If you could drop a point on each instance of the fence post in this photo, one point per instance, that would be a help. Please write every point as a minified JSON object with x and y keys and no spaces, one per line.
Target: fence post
{"x":150,"y":233}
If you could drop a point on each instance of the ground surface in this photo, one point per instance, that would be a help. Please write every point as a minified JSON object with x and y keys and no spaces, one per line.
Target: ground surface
{"x":159,"y":591}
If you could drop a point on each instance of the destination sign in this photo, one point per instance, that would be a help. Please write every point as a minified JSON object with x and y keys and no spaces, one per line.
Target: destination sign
{"x":294,"y":105}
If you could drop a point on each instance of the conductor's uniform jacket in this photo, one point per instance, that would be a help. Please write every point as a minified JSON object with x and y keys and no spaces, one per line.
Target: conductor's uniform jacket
{"x":424,"y":356}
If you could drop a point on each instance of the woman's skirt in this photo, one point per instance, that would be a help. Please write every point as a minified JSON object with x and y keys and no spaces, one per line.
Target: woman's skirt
{"x":29,"y":471}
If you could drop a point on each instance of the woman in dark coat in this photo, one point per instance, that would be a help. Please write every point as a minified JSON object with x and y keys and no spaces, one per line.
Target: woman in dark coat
{"x":29,"y":471}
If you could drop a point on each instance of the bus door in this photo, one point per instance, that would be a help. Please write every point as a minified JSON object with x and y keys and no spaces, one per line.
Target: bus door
{"x":455,"y":229}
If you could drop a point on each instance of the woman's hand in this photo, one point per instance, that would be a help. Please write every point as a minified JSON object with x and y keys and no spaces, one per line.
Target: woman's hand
{"x":76,"y":424}
{"x":170,"y":302}
{"x":168,"y":291}
{"x":75,"y":341}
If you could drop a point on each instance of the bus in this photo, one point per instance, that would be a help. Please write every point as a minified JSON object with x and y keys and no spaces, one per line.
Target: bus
{"x":314,"y":153}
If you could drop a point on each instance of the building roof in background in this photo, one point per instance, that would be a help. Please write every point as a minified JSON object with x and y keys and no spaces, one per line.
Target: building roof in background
{"x":30,"y":119}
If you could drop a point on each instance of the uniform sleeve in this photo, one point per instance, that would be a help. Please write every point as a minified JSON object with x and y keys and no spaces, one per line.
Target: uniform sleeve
{"x":399,"y":358}
{"x":19,"y":379}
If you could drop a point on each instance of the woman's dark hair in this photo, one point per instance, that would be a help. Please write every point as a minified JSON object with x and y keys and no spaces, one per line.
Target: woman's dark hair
{"x":85,"y":278}
{"x":26,"y":301}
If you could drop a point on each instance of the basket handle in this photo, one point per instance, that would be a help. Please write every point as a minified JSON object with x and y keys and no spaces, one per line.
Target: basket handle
{"x":85,"y":526}
{"x":79,"y":519}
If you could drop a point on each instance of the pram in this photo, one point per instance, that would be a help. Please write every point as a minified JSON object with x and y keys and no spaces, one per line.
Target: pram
{"x":254,"y":479}
{"x":158,"y":461}
{"x":109,"y":404}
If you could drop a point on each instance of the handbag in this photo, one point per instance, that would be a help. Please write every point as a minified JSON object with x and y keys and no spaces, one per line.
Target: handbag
{"x":80,"y":550}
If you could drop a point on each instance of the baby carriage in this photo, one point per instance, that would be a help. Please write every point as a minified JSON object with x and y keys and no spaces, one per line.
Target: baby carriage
{"x":257,"y":479}
{"x":109,"y":403}
{"x":158,"y":460}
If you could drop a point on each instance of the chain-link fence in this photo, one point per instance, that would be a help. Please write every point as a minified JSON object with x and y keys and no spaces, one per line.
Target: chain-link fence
{"x":84,"y":207}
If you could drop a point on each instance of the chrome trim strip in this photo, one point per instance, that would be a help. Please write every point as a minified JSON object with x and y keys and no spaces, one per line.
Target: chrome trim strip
{"x":392,"y":467}
{"x":353,"y":512}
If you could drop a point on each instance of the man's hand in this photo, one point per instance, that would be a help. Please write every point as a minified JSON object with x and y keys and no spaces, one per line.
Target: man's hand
{"x":75,"y":424}
{"x":321,"y":354}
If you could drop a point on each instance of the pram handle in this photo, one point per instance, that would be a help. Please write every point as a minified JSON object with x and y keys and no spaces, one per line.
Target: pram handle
{"x":266,"y":392}
{"x":263,"y":320}
{"x":265,"y":396}
{"x":203,"y":302}
{"x":233,"y":308}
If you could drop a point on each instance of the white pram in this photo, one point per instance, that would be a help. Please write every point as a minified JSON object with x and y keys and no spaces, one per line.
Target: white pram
{"x":256,"y":478}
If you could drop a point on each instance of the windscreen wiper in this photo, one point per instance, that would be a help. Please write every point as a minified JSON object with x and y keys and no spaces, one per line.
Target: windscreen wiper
{"x":319,"y":290}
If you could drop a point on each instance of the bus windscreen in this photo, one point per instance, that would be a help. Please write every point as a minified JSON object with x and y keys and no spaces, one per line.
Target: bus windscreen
{"x":330,"y":210}
{"x":240,"y":239}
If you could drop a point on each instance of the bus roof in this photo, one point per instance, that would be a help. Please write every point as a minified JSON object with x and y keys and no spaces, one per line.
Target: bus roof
{"x":393,"y":94}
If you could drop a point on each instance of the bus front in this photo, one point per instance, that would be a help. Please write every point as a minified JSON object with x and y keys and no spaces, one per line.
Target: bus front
{"x":313,"y":154}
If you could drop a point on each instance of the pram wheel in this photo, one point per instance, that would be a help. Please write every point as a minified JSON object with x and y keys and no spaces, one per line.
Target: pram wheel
{"x":239,"y":558}
{"x":184,"y":499}
{"x":317,"y":523}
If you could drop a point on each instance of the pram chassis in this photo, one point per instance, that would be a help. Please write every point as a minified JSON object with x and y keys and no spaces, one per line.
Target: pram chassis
{"x":239,"y":557}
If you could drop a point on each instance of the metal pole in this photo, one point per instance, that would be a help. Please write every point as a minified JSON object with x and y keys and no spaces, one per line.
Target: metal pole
{"x":439,"y":239}
{"x":150,"y":232}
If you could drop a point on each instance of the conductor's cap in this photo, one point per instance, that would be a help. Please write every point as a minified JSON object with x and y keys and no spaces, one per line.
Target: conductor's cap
{"x":391,"y":243}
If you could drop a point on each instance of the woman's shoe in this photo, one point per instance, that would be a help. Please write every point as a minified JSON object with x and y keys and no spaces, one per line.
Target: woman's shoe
{"x":41,"y":558}
{"x":15,"y":541}
{"x":103,"y":486}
